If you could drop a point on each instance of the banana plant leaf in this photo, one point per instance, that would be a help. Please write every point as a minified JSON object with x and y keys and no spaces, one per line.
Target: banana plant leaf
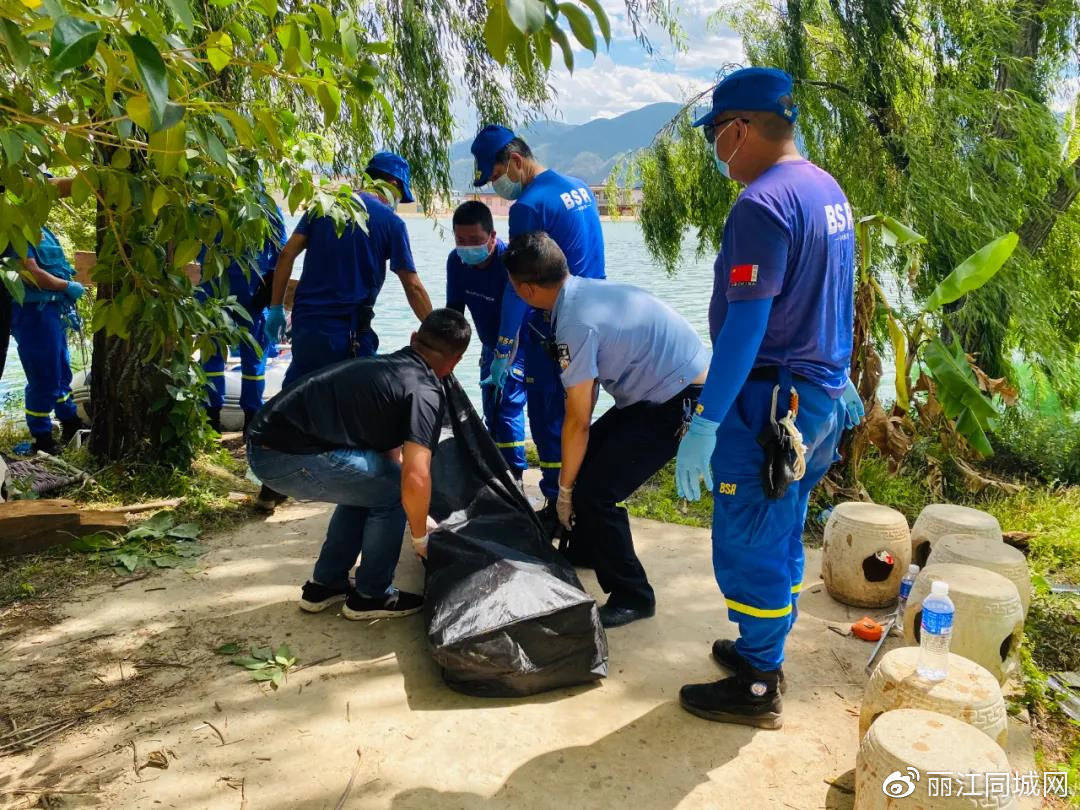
{"x":959,"y":394}
{"x":973,"y":272}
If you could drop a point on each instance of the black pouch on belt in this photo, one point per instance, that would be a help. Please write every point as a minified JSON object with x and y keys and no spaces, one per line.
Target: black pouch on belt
{"x":778,"y":470}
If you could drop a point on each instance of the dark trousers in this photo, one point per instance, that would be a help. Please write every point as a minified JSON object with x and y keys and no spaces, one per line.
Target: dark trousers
{"x":627,"y":446}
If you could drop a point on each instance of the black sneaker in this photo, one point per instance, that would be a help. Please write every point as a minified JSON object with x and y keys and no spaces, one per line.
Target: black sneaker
{"x":268,"y":500}
{"x":749,"y":698}
{"x":725,"y":654}
{"x":315,"y":598}
{"x":213,"y":416}
{"x":399,"y":603}
{"x":44,"y":443}
{"x":616,"y":615}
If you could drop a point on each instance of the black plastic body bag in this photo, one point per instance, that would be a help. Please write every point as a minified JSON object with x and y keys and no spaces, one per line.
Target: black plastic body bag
{"x":506,"y":614}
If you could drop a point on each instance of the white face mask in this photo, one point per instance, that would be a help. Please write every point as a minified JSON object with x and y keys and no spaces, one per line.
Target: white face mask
{"x":723,"y":165}
{"x":505,"y":187}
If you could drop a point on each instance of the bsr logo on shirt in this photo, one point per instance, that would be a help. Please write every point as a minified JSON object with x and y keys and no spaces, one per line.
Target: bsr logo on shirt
{"x":839,"y":217}
{"x":576,"y":197}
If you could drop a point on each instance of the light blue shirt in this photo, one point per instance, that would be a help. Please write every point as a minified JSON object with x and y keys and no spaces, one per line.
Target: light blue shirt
{"x":639,"y":348}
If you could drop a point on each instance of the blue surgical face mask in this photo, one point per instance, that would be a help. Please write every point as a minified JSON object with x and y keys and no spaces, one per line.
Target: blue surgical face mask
{"x":473,"y":254}
{"x":722,"y":165}
{"x":505,"y":187}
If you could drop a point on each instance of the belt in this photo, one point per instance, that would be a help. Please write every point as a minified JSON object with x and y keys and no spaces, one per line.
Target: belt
{"x":772,"y":374}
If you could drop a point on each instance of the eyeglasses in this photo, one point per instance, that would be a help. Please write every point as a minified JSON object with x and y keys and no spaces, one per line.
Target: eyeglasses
{"x":710,"y":130}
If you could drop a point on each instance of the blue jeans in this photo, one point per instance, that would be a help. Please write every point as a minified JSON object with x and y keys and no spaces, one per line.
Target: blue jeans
{"x":369,"y":521}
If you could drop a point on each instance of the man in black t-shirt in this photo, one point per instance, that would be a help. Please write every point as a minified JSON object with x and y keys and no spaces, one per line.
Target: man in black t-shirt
{"x":360,"y":433}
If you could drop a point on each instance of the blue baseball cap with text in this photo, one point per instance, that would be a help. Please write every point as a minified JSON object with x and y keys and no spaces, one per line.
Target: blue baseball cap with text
{"x":485,"y":147}
{"x":753,"y":88}
{"x":397,"y":167}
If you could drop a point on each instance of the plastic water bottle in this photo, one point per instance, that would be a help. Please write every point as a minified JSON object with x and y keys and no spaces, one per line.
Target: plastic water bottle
{"x":905,"y":589}
{"x":937,"y":625}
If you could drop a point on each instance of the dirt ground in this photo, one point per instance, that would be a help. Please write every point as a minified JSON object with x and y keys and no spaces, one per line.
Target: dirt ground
{"x":374,"y":726}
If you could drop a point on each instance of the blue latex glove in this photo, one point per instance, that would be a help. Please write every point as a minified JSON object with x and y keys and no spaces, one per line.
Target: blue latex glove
{"x":694,"y":459}
{"x":854,"y":405}
{"x":500,"y":370}
{"x":275,"y":324}
{"x":74,"y":290}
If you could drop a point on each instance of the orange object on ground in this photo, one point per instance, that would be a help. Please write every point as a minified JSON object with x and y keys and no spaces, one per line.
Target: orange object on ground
{"x":867,"y":629}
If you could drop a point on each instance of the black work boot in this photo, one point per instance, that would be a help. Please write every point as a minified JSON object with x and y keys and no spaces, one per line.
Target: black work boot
{"x":725,"y":654}
{"x":549,"y":518}
{"x":214,"y":417}
{"x":69,"y":427}
{"x":44,"y":443}
{"x":249,"y":417}
{"x":750,"y":697}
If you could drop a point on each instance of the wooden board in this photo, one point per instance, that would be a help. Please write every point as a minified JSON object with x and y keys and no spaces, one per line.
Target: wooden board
{"x":30,"y":526}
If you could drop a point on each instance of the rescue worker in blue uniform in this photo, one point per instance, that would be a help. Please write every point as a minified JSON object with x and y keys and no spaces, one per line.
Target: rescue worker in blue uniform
{"x":40,"y":325}
{"x":778,"y":395}
{"x":335,"y":298}
{"x":562,"y":206}
{"x":476,"y":279}
{"x":650,"y":359}
{"x":250,"y":285}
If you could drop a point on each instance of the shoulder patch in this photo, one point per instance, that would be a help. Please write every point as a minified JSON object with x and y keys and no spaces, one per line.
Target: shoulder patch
{"x":743,"y":275}
{"x":562,"y":352}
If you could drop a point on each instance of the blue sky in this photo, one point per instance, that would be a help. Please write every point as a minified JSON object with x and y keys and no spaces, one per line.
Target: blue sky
{"x":625,"y":78}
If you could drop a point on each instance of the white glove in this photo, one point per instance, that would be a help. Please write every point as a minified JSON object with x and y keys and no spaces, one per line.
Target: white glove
{"x":419,"y":545}
{"x":564,"y":506}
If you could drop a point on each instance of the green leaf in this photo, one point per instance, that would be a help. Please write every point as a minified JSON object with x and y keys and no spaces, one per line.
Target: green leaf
{"x":216,"y":149}
{"x":327,"y":27}
{"x":13,"y":145}
{"x":249,"y":663}
{"x":138,"y":110}
{"x":121,"y":159}
{"x":80,"y":190}
{"x":73,"y":43}
{"x":159,"y":200}
{"x":262,"y":653}
{"x":129,"y":561}
{"x":973,"y":272}
{"x":898,"y":234}
{"x":231,"y":648}
{"x":166,"y":561}
{"x":185,"y":531}
{"x":958,"y":390}
{"x":528,"y":16}
{"x":155,"y":80}
{"x":182,"y":11}
{"x":270,"y":126}
{"x":329,"y":97}
{"x":560,"y":37}
{"x":267,"y":7}
{"x":158,"y":522}
{"x":17,"y":45}
{"x":497,"y":30}
{"x":971,"y":429}
{"x":899,"y":344}
{"x":283,"y":654}
{"x":167,"y":147}
{"x":186,"y":252}
{"x":263,"y":674}
{"x":542,"y":42}
{"x":278,"y":680}
{"x":580,"y":25}
{"x":219,"y":50}
{"x":601,"y":19}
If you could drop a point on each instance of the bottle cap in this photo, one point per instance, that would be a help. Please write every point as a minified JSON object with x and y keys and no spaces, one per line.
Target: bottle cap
{"x":940,"y":588}
{"x":913,"y":569}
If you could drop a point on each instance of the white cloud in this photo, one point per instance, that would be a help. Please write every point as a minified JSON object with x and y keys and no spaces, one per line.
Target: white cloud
{"x":1063,"y":99}
{"x":605,"y":89}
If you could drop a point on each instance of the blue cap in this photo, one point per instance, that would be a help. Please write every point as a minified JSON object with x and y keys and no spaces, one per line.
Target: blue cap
{"x":754,"y":88}
{"x":485,"y":147}
{"x":395,"y":166}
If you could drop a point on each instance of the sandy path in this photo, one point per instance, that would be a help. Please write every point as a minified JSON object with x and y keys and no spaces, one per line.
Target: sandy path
{"x":153,"y":682}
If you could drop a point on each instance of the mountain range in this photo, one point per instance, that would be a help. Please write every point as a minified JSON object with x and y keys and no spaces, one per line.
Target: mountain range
{"x":588,"y":151}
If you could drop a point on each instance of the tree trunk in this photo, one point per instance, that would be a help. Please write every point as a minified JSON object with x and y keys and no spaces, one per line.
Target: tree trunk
{"x":1040,"y":221}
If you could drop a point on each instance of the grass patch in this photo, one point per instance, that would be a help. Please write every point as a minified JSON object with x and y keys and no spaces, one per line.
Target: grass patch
{"x":658,"y":499}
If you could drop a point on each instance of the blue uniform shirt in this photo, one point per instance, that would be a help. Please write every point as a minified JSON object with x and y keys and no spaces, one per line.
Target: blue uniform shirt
{"x":49,"y":255}
{"x":481,"y":289}
{"x":639,"y":348}
{"x":342,"y":273}
{"x":564,"y":208}
{"x":790,"y":237}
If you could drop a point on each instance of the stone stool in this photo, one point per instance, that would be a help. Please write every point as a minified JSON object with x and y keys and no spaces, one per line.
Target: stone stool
{"x":989,"y":618}
{"x":969,"y":693}
{"x":984,"y":552}
{"x":855,"y":535}
{"x":939,"y":519}
{"x":929,"y":756}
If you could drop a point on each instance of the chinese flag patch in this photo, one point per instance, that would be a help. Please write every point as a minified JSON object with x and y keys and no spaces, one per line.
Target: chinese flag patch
{"x":743,"y":274}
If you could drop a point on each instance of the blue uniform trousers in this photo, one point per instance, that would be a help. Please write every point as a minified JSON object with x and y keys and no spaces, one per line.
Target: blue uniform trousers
{"x":546,"y":398}
{"x":320,"y":342}
{"x":43,"y":351}
{"x":252,"y":366}
{"x":757,"y":541}
{"x":504,"y":412}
